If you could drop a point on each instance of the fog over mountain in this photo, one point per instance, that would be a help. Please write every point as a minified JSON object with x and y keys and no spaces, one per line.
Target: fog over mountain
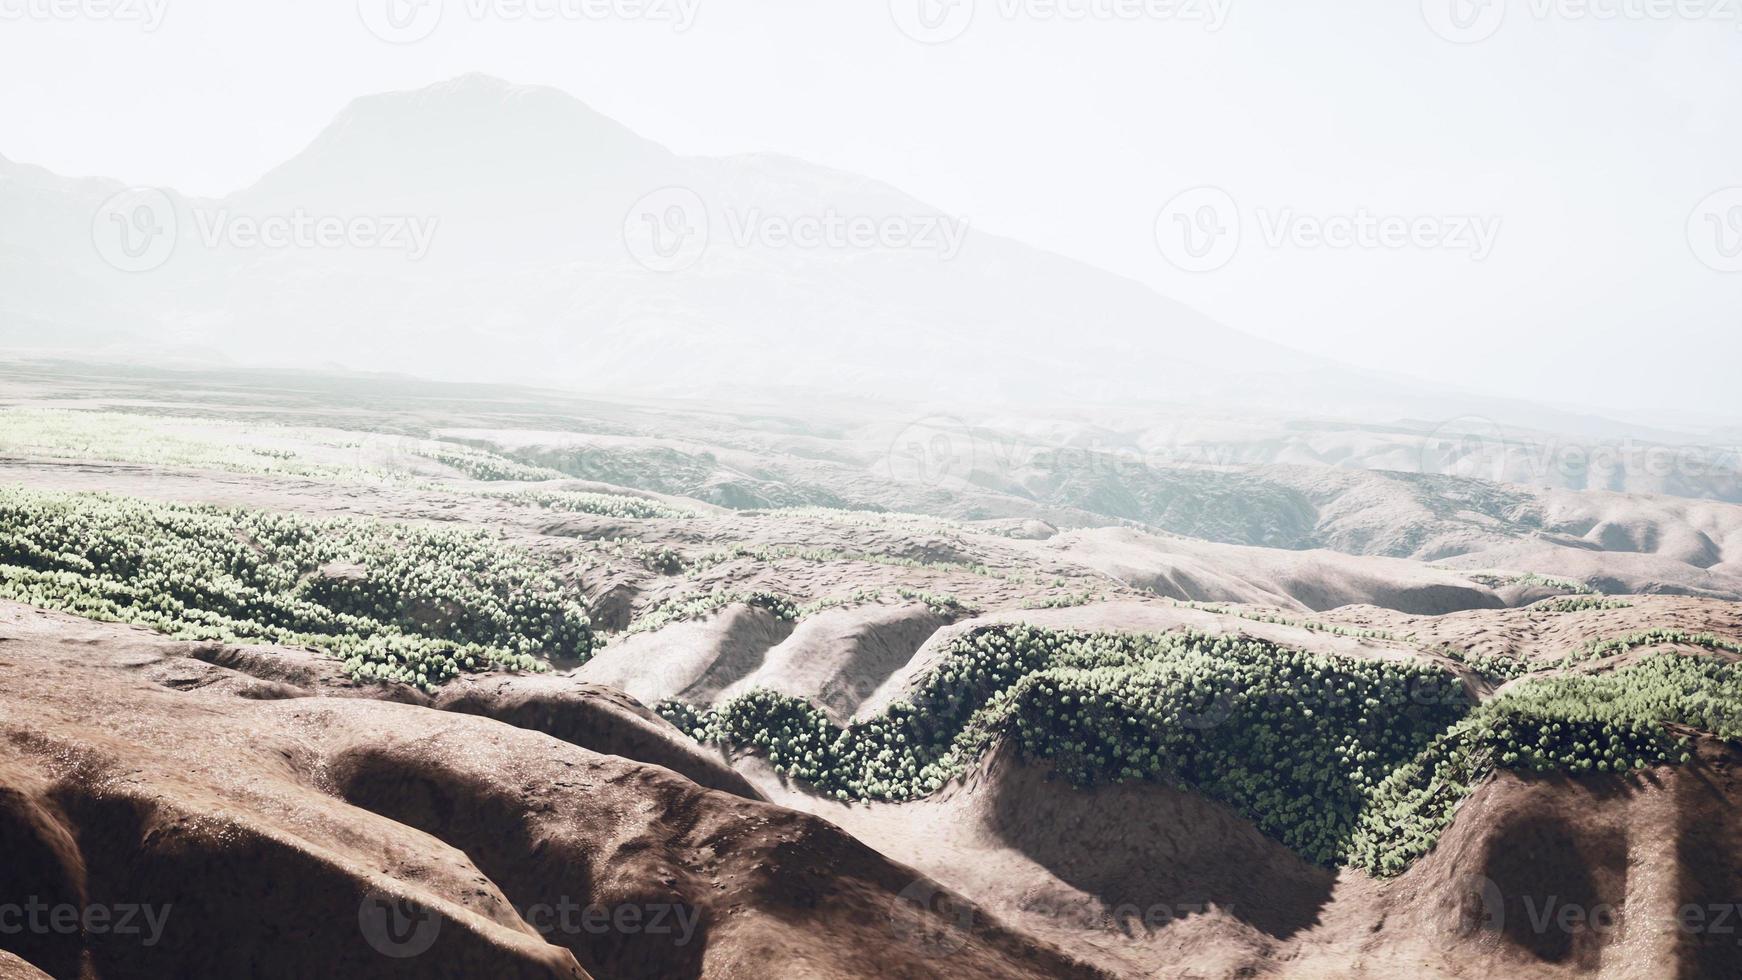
{"x":482,"y":230}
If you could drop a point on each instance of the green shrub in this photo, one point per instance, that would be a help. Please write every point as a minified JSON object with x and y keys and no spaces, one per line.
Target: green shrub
{"x":772,"y":553}
{"x":600,"y":504}
{"x":1345,"y":760}
{"x":396,"y":602}
{"x":697,"y":606}
{"x":1296,"y":741}
{"x":1494,"y":666}
{"x":480,"y":464}
{"x":1595,"y":723}
{"x":1060,"y":601}
{"x":1657,"y":636}
{"x":1500,"y":580}
{"x":1572,"y":604}
{"x":1305,"y":624}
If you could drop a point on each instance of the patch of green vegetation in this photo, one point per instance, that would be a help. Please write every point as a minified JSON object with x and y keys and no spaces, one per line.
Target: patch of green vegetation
{"x":663,"y":561}
{"x":1494,"y":666}
{"x":153,"y":440}
{"x":396,"y":602}
{"x":243,"y":447}
{"x":1214,"y":505}
{"x":1454,"y":498}
{"x":1296,"y":741}
{"x":482,"y":465}
{"x":1582,"y":603}
{"x":1494,"y":580}
{"x":871,"y":518}
{"x":1305,"y":624}
{"x":1345,"y":760}
{"x":1612,"y":722}
{"x":858,"y":597}
{"x":599,"y":504}
{"x":660,"y":559}
{"x":1063,"y":601}
{"x":938,"y":602}
{"x":773,"y":553}
{"x":690,"y":607}
{"x":1656,"y":637}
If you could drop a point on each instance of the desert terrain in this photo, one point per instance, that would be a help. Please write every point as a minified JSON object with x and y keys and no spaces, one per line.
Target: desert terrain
{"x":350,"y":674}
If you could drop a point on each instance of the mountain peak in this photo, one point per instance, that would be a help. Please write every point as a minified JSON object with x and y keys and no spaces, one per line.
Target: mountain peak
{"x":472,"y":92}
{"x":475,"y":86}
{"x":472,"y":130}
{"x":476,"y":80}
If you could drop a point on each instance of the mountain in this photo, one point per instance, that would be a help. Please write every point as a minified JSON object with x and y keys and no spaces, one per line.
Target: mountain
{"x":527,"y":269}
{"x":480,"y":230}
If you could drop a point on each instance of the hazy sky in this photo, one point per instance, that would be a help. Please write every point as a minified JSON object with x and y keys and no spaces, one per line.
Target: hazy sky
{"x":1527,"y":213}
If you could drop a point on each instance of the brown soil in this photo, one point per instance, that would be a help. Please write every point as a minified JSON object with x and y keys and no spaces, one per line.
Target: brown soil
{"x":277,"y":830}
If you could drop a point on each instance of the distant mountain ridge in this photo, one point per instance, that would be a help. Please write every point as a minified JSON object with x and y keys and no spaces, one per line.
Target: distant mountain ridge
{"x":545,"y":223}
{"x":530,"y":279}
